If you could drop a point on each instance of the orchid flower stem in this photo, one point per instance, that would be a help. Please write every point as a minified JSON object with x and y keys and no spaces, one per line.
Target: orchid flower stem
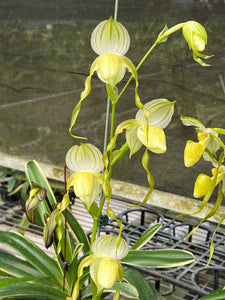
{"x":65,"y":231}
{"x":137,"y":68}
{"x":103,"y":198}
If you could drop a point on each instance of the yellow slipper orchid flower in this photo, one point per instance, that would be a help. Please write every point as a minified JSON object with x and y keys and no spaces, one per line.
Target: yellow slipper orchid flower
{"x":85,"y":161}
{"x":110,"y":40}
{"x":207,"y":138}
{"x":149,"y":132}
{"x":104,"y":263}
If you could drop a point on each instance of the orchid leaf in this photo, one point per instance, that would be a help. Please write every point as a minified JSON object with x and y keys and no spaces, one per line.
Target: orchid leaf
{"x":151,"y":180}
{"x":28,"y":290}
{"x":77,"y":231}
{"x":145,"y":291}
{"x":162,"y":258}
{"x":71,"y":274}
{"x":146,"y":236}
{"x":7,"y":281}
{"x":32,"y":254}
{"x":215,"y":295}
{"x":18,"y":267}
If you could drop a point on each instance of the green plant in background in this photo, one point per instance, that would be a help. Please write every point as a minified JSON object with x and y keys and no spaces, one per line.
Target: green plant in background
{"x":83,"y":269}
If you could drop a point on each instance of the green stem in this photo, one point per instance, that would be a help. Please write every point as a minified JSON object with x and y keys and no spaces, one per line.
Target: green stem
{"x":137,"y":68}
{"x":102,"y":202}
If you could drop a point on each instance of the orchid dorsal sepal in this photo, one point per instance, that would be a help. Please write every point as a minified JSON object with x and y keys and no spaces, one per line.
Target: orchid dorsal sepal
{"x":110,"y":36}
{"x":151,"y":180}
{"x":160,"y":112}
{"x":189,"y":121}
{"x":76,"y":110}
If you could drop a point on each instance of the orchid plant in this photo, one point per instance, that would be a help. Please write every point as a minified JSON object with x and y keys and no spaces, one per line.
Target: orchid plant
{"x":95,"y":268}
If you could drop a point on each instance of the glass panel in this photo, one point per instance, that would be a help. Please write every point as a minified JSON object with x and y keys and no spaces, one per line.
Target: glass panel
{"x":45,"y":55}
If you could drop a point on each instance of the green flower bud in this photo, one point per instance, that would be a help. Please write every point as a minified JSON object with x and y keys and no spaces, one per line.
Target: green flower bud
{"x":196,"y":37}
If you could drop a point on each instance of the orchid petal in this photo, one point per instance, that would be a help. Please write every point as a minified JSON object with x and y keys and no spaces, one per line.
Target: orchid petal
{"x":84,"y":94}
{"x":86,"y":262}
{"x":151,"y":180}
{"x":127,"y":63}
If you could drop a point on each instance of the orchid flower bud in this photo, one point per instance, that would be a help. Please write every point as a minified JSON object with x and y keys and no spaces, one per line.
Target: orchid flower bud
{"x":196,"y":37}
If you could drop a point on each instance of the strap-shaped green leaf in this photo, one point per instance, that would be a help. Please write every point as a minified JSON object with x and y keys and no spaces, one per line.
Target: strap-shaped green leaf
{"x":146,"y":236}
{"x":145,"y":291}
{"x":15,"y":266}
{"x":7,"y":281}
{"x":33,"y":254}
{"x":28,"y":290}
{"x":215,"y":295}
{"x":77,"y":231}
{"x":162,"y":258}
